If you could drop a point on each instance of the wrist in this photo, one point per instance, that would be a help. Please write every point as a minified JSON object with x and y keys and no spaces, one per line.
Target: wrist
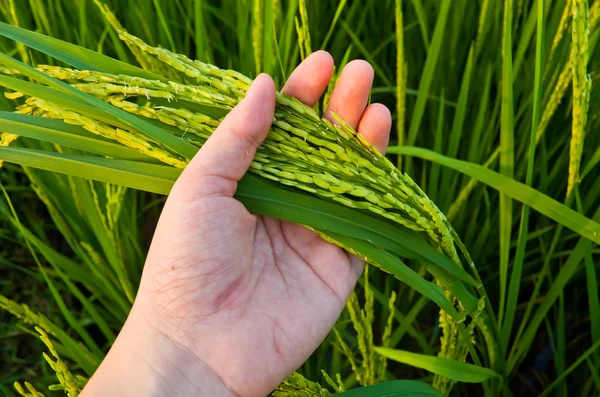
{"x":145,"y":361}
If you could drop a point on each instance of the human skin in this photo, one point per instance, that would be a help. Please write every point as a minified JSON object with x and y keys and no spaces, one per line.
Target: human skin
{"x":231,"y":303}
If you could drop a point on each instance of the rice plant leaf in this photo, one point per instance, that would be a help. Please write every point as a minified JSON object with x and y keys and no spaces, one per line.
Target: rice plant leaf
{"x":428,"y":71}
{"x":338,"y":12}
{"x":516,"y":190}
{"x":400,"y":388}
{"x":515,"y":277}
{"x":178,"y":145}
{"x":71,"y":54}
{"x":422,"y":19}
{"x":455,"y":370}
{"x":507,"y":155}
{"x":61,"y":133}
{"x":434,"y":173}
{"x":593,"y":161}
{"x":156,"y":179}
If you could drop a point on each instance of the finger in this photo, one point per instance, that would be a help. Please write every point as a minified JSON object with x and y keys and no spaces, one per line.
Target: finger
{"x":375,"y":126}
{"x":351,"y":93}
{"x":309,"y":80}
{"x":227,"y":154}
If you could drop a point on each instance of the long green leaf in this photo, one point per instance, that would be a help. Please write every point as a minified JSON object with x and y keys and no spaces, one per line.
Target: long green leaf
{"x":92,"y":168}
{"x":428,"y":71}
{"x":507,"y":153}
{"x":515,"y":278}
{"x":74,"y":55}
{"x":455,"y":370}
{"x":516,"y":190}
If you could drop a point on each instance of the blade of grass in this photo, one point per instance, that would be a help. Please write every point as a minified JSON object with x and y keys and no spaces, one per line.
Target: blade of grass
{"x":455,"y":370}
{"x":515,"y":279}
{"x":506,"y":154}
{"x":74,"y":55}
{"x":437,"y":147}
{"x":592,"y":288}
{"x":164,"y":24}
{"x":400,"y":77}
{"x":545,"y":205}
{"x":338,"y":12}
{"x":433,"y":54}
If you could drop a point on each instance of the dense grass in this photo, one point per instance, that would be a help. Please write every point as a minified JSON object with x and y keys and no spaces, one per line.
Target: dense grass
{"x":479,"y":81}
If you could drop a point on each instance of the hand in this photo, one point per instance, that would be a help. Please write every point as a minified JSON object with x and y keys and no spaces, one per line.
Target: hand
{"x":232,"y":303}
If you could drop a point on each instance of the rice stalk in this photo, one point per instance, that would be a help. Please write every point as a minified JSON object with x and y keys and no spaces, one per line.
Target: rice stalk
{"x":387,"y":333}
{"x":258,"y":7}
{"x":482,"y":26}
{"x":556,"y":93}
{"x":581,"y":87}
{"x":453,"y":346}
{"x":560,"y":31}
{"x":373,"y":365}
{"x":401,"y":74}
{"x":135,"y":140}
{"x":8,"y":9}
{"x":276,"y":19}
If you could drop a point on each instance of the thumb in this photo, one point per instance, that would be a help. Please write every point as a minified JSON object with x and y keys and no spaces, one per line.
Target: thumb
{"x":228,"y":153}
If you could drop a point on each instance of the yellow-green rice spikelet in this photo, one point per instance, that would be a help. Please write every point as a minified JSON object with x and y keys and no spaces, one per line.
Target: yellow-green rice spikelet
{"x":581,"y":86}
{"x":71,"y":384}
{"x":28,"y":391}
{"x":258,"y":7}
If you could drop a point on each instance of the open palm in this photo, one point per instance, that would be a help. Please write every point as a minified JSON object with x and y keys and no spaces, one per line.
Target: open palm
{"x":252,"y":297}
